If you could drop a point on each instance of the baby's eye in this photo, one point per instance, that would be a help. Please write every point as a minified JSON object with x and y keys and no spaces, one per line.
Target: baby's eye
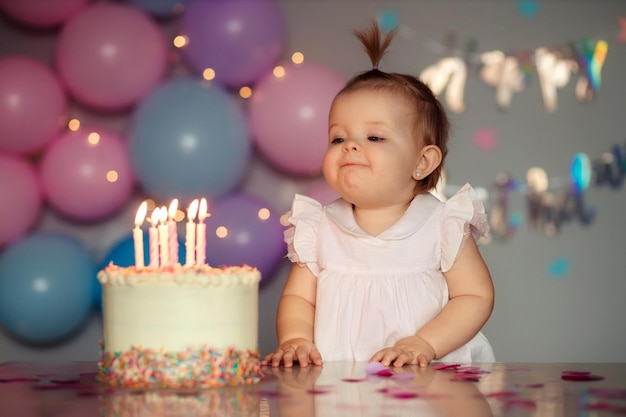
{"x":375,"y":139}
{"x":337,"y":140}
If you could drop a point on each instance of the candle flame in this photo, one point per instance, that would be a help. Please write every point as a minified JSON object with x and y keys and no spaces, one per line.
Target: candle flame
{"x":154,"y":219}
{"x":173,"y":208}
{"x":193,"y":210}
{"x":141,"y":213}
{"x":203,"y":210}
{"x":163,"y":214}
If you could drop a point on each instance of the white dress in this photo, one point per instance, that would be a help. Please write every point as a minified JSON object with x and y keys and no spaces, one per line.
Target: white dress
{"x":375,"y":290}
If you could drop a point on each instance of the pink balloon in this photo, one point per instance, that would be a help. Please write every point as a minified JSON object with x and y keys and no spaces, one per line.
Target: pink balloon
{"x":21,"y":202}
{"x":87,"y":175}
{"x":33,"y":106}
{"x":111,"y":56}
{"x":289,"y":116}
{"x":43,"y":14}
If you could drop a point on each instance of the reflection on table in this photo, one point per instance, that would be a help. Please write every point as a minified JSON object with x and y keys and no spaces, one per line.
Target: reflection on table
{"x":32,"y":389}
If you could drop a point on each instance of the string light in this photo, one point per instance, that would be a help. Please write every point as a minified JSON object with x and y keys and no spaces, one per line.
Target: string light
{"x":245,"y":92}
{"x":208,"y":74}
{"x":180,"y":41}
{"x":264,"y":214}
{"x":112,"y":176}
{"x":279,"y":71}
{"x":297,"y":58}
{"x":73,"y":125}
{"x":93,"y":138}
{"x":221,"y":232}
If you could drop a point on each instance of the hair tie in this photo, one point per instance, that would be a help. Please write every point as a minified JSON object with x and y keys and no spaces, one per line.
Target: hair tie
{"x":374,"y":67}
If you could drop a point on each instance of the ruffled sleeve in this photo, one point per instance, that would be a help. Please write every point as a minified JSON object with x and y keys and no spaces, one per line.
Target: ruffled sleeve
{"x":301,"y":237}
{"x":463,"y":214}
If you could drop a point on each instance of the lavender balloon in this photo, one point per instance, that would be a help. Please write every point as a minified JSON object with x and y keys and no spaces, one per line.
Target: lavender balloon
{"x":247,"y":236}
{"x":239,"y":39}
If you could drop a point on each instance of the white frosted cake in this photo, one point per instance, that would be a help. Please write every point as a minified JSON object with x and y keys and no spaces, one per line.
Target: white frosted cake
{"x":180,"y":326}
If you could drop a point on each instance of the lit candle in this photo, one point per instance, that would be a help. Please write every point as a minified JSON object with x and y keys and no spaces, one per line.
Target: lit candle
{"x":190,"y":236}
{"x":172,"y":232}
{"x":153,"y":236}
{"x":163,"y":238}
{"x":138,"y":234}
{"x":201,"y":234}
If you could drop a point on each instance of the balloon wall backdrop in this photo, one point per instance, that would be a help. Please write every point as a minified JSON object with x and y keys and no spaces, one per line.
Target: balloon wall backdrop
{"x":185,"y":133}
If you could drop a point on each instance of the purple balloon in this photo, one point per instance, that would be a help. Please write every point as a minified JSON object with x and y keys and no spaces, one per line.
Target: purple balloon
{"x":251,"y":238}
{"x":238,"y":39}
{"x":33,"y":105}
{"x":87,"y":175}
{"x":21,"y":205}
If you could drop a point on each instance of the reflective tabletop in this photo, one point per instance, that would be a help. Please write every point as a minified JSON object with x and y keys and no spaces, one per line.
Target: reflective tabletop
{"x":337,"y":389}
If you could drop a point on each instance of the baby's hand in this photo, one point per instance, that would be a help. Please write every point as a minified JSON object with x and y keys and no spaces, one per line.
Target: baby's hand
{"x":412,"y":350}
{"x":294,"y":350}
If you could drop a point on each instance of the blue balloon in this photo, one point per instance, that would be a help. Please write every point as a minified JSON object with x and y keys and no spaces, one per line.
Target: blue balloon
{"x":123,"y":254}
{"x":189,"y":138}
{"x":251,"y":238}
{"x":160,"y":8}
{"x":46,"y":282}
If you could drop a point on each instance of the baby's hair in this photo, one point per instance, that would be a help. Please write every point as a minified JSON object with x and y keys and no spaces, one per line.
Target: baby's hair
{"x":431,"y":120}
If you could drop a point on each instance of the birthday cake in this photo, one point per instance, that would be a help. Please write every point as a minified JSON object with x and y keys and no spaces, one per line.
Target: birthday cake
{"x":179,"y":326}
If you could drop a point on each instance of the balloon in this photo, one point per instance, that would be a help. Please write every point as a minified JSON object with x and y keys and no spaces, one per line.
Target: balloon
{"x":111,"y":56}
{"x":45,"y":287}
{"x":289,"y":116}
{"x":87,"y":174}
{"x":189,"y":139}
{"x":250,"y":237}
{"x":33,"y":106}
{"x":21,"y":205}
{"x":123,"y":254}
{"x":238,"y":39}
{"x":160,"y":8}
{"x":41,"y":14}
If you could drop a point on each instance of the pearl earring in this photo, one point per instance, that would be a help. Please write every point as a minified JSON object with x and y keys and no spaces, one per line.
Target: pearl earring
{"x":418,"y":174}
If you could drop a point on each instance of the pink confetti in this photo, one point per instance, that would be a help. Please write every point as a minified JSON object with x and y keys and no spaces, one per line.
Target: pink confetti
{"x":580,"y":376}
{"x":353,"y":379}
{"x":384,"y":372}
{"x":373,"y":368}
{"x":404,"y":395}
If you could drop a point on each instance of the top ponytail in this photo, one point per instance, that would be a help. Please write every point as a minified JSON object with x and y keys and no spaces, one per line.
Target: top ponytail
{"x":374,"y":43}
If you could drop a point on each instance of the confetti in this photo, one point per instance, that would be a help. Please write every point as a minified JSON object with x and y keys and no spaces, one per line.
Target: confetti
{"x":580,"y":376}
{"x":372,"y":368}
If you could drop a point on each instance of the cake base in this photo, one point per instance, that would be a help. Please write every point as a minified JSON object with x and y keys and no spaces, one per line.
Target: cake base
{"x":192,"y":368}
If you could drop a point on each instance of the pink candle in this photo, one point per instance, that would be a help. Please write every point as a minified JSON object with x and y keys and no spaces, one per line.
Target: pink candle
{"x":190,"y":236}
{"x":138,"y":235}
{"x":172,"y":232}
{"x":153,"y":238}
{"x":201,"y":234}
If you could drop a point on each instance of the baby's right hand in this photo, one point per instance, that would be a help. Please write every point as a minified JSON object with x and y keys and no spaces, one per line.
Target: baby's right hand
{"x":298,"y":350}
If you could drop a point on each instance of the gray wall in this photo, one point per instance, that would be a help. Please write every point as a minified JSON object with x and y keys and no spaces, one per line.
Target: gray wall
{"x":539,"y":316}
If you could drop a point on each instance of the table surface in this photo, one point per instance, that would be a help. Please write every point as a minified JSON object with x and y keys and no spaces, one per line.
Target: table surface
{"x":337,"y":389}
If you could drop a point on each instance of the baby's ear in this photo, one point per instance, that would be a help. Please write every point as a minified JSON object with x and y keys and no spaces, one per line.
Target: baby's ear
{"x":430,"y":158}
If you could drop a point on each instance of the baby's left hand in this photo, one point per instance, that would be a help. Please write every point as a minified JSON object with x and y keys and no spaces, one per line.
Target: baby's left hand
{"x":412,"y":350}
